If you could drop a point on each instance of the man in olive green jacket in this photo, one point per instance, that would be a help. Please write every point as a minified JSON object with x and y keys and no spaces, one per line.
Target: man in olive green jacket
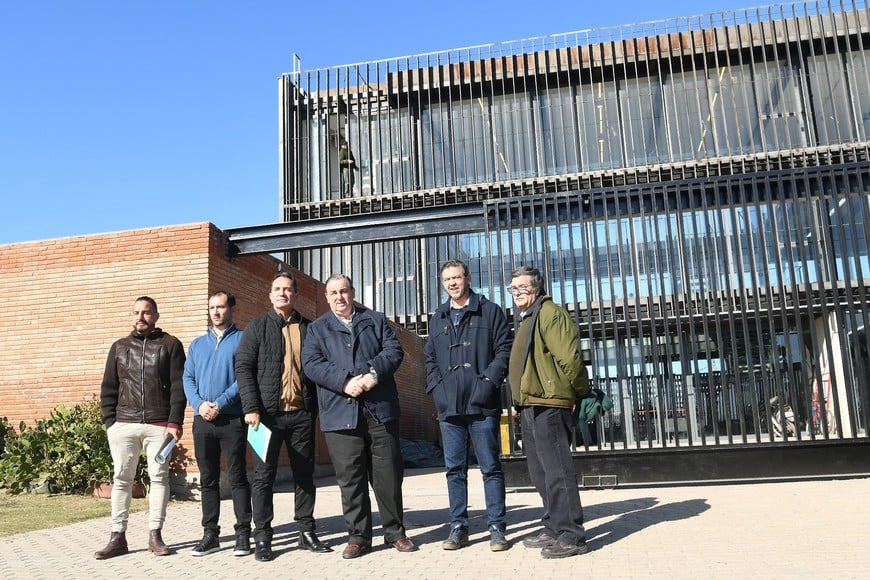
{"x":547,"y":376}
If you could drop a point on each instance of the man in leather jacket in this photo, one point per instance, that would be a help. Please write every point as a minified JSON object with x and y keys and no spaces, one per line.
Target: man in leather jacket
{"x":143,"y":402}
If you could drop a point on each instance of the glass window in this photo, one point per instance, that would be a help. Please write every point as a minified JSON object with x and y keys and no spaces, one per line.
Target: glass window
{"x":558,"y":131}
{"x":732,"y":104}
{"x":832,"y":113}
{"x":643,"y":121}
{"x":690,"y":134}
{"x":858,"y":69}
{"x":598,"y":120}
{"x":513,"y":141}
{"x":780,"y":111}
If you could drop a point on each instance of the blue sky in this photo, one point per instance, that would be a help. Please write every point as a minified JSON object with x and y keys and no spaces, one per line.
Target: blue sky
{"x":127,"y":114}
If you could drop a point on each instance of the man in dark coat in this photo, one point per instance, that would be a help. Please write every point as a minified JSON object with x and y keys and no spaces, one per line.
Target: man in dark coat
{"x":142,"y":398}
{"x":352,"y":353}
{"x":276,"y":392}
{"x":466,"y":361}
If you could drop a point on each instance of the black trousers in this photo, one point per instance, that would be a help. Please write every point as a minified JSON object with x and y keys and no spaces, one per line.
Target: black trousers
{"x":547,"y":443}
{"x":225,"y":435}
{"x":295,"y":429}
{"x":370,"y":452}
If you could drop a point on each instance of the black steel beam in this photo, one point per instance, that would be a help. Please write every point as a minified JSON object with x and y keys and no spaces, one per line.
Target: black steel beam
{"x":357,"y":229}
{"x":734,"y":463}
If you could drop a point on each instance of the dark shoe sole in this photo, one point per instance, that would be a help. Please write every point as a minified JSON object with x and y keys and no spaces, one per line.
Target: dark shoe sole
{"x":99,"y":556}
{"x":576,"y":551}
{"x":362,"y":552}
{"x":537,"y":544}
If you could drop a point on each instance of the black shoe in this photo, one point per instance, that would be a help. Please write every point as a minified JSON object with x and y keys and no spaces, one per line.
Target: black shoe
{"x":561,"y":549}
{"x":458,"y":538}
{"x":263,"y":551}
{"x":243,"y":544}
{"x":309,"y":541}
{"x":541,"y":540}
{"x":209,"y":544}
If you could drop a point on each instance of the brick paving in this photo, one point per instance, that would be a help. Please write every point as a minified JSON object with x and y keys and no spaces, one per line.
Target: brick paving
{"x":792,"y":529}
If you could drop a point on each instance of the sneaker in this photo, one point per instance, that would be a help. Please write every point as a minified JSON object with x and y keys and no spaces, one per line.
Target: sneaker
{"x":539,"y":541}
{"x":497,"y":541}
{"x":207,"y":545}
{"x":243,"y":544}
{"x":560,"y":549}
{"x":458,"y":538}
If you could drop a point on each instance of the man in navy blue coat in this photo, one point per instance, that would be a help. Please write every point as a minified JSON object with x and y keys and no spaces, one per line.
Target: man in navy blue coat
{"x":467,"y":358}
{"x":351,"y":353}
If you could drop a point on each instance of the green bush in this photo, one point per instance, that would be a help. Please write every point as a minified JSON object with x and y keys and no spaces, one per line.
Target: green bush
{"x":67,"y":452}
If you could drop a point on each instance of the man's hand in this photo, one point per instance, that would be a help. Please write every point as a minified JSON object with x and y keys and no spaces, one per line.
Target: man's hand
{"x":367,"y":381}
{"x":174,"y":431}
{"x":252,"y":418}
{"x":353,"y":387}
{"x":209,"y":411}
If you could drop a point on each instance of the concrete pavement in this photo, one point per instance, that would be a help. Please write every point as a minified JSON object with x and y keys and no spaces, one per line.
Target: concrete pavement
{"x":795,"y":529}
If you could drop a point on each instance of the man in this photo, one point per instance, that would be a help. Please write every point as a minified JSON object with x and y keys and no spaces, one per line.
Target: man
{"x":466,"y":361}
{"x":352,"y":354}
{"x":277,"y":393}
{"x":218,"y":424}
{"x":142,"y":398}
{"x":347,"y":165}
{"x":546,"y":376}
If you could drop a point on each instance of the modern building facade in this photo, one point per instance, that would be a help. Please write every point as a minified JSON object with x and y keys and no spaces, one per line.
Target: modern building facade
{"x":695,"y":191}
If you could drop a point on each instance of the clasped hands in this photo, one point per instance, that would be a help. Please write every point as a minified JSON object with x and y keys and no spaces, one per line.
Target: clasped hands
{"x":209,"y":410}
{"x":356,"y":386}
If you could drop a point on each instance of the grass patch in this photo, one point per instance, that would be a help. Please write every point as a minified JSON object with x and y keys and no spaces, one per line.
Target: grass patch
{"x":28,"y":512}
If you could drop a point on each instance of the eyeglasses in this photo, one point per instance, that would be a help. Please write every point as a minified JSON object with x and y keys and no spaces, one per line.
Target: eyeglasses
{"x":517,"y":290}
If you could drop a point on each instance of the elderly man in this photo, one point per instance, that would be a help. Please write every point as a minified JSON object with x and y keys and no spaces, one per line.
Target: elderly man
{"x":352,"y":353}
{"x":547,"y":376}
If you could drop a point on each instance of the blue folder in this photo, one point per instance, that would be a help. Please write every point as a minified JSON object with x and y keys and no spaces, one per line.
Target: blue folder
{"x":259,"y":439}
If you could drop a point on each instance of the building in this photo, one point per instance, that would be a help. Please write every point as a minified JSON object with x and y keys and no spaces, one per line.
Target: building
{"x":695,"y":191}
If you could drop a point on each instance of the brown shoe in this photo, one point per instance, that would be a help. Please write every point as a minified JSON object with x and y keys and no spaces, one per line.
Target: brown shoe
{"x":156,"y":545}
{"x":404,"y":544}
{"x":354,"y":550}
{"x":117,"y":546}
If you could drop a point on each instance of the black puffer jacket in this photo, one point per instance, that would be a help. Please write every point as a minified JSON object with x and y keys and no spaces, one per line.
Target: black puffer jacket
{"x":260,"y":365}
{"x":143,"y":381}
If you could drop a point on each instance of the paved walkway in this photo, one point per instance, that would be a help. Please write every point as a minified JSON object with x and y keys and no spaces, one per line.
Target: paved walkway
{"x":810,"y":529}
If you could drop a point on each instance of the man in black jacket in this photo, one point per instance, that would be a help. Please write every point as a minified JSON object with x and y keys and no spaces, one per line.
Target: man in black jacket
{"x":143,"y":402}
{"x":276,"y":392}
{"x":466,"y":361}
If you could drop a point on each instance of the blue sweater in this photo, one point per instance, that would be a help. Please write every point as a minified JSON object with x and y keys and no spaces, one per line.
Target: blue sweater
{"x":209,"y":371}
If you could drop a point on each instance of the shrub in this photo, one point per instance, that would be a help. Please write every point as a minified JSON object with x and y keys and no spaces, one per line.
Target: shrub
{"x":67,"y":452}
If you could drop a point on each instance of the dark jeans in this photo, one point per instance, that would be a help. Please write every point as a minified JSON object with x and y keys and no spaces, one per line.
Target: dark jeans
{"x":225,"y":435}
{"x":370,"y":452}
{"x":296,"y":430}
{"x":547,"y":444}
{"x":484,"y":434}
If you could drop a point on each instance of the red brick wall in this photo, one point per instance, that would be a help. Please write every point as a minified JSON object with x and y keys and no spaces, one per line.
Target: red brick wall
{"x":64,"y":301}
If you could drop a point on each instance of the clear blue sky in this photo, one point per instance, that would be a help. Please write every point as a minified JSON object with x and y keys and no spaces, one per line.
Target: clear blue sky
{"x":123,"y":114}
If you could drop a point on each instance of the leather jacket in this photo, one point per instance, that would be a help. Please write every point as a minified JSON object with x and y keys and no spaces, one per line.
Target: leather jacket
{"x":143,"y":381}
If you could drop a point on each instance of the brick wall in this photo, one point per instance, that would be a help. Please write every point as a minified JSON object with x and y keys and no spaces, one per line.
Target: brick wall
{"x":64,"y":301}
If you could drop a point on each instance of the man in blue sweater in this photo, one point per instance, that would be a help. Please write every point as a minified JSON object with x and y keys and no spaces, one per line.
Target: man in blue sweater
{"x":219,"y":424}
